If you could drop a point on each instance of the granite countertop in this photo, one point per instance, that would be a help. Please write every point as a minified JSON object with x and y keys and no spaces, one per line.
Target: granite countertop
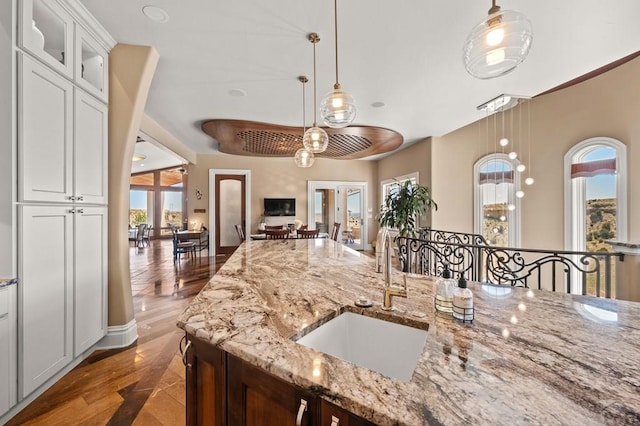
{"x":5,"y":282}
{"x":530,"y":356}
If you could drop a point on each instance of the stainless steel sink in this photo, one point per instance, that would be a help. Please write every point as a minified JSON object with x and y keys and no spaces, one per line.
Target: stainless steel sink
{"x":391,"y":349}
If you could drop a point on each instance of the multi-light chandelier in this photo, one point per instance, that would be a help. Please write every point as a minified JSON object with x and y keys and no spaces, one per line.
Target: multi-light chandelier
{"x":304,"y":158}
{"x":498,"y":44}
{"x":315,"y":139}
{"x":338,"y":108}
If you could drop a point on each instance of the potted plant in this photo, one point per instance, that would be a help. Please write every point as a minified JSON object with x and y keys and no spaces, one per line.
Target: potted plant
{"x":402,"y":208}
{"x":400,"y":212}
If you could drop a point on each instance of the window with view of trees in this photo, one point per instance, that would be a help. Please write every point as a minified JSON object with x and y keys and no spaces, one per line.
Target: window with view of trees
{"x":595,"y":195}
{"x":156,"y":198}
{"x":496,"y":210}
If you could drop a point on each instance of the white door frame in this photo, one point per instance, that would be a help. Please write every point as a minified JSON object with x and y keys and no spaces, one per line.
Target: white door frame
{"x":212,"y":201}
{"x":312,"y":185}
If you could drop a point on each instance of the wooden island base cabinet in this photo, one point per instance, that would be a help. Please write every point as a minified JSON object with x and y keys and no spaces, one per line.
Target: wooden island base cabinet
{"x":225,"y":390}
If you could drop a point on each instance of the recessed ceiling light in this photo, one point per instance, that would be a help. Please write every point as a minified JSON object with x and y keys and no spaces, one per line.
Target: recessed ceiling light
{"x":156,"y":14}
{"x":237,"y":92}
{"x":378,"y":104}
{"x":139,"y":157}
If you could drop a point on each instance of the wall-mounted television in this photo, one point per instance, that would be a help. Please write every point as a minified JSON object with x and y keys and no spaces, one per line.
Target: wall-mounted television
{"x":279,"y":206}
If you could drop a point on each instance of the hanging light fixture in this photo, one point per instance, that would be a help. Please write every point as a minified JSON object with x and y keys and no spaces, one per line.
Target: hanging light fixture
{"x":338,"y":109}
{"x":315,"y":139}
{"x":304,"y":158}
{"x":498,"y":44}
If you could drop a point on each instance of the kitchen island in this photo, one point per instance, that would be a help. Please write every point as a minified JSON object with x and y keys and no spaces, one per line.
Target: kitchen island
{"x":530,"y":356}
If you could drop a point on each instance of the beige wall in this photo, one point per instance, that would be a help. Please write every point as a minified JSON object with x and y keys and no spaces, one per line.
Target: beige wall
{"x":415,"y":158}
{"x":131,"y":70}
{"x":608,"y":105}
{"x":277,"y":178}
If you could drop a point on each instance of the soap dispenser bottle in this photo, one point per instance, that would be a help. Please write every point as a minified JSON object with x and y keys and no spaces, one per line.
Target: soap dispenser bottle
{"x":445,"y":286}
{"x":463,"y":301}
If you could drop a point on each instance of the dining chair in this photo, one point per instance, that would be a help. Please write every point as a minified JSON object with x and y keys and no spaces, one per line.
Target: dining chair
{"x":277,"y":234}
{"x":140,"y":235}
{"x":335,"y":231}
{"x":146,"y":235}
{"x":181,"y":247}
{"x":272,"y":227}
{"x":311,"y":233}
{"x":240,"y":232}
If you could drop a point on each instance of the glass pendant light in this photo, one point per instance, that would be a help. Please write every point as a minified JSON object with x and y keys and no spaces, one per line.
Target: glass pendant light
{"x":304,"y":158}
{"x":338,"y":109}
{"x":498,"y":44}
{"x":315,"y":139}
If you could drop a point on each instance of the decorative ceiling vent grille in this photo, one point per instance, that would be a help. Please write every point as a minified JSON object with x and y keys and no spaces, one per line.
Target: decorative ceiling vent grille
{"x":252,"y":138}
{"x":262,"y":142}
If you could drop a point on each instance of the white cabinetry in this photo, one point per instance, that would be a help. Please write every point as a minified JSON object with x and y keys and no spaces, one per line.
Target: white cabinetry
{"x":45,"y":268}
{"x":61,"y":132}
{"x":90,"y":277}
{"x":45,"y":133}
{"x":62,"y":136}
{"x":90,"y":149}
{"x":62,"y":252}
{"x":5,"y":351}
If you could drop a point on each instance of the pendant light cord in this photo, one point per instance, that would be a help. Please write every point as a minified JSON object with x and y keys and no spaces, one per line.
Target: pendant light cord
{"x":314,"y":84}
{"x":304,"y":104}
{"x":335,"y":23}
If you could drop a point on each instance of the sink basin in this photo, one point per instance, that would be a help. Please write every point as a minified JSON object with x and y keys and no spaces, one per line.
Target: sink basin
{"x":391,"y":349}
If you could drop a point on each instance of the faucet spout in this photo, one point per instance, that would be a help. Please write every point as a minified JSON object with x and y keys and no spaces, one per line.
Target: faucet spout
{"x":390,"y":290}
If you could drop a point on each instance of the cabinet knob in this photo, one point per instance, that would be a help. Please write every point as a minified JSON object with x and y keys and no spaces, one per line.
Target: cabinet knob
{"x":335,"y":421}
{"x":184,"y":348}
{"x":72,"y":198}
{"x":301,"y":410}
{"x":72,"y":211}
{"x":80,"y":210}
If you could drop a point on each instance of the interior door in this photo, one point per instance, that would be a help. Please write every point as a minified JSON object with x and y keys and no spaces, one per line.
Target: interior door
{"x":230,"y":193}
{"x":350,"y":211}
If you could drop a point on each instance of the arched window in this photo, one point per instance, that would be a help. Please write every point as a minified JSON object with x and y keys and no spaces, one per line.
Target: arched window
{"x":496,"y":206}
{"x":595,"y":176}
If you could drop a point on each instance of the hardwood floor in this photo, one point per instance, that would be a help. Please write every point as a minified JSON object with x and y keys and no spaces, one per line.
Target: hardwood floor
{"x":144,"y":383}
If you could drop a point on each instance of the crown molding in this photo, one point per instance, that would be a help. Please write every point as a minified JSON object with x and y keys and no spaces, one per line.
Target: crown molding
{"x":90,"y":24}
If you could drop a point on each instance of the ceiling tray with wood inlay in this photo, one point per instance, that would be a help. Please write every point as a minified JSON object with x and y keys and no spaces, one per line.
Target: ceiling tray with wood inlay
{"x":252,"y":138}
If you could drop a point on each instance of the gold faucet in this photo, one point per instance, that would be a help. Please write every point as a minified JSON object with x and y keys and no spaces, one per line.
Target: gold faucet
{"x":390,"y":290}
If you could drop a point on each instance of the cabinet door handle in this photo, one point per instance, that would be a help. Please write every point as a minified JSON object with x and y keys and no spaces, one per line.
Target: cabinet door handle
{"x":71,"y":198}
{"x":80,"y":210}
{"x":301,"y":409}
{"x":184,"y":350}
{"x":335,"y":421}
{"x":80,"y":198}
{"x":72,"y":211}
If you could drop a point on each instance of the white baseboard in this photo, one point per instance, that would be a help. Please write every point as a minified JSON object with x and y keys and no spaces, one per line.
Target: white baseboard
{"x":119,"y":336}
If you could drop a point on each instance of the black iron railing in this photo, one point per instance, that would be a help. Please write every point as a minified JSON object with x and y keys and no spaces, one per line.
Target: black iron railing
{"x":556,"y":270}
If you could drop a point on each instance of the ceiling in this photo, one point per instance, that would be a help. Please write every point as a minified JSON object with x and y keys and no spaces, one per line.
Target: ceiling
{"x":406,"y":54}
{"x":153,"y":156}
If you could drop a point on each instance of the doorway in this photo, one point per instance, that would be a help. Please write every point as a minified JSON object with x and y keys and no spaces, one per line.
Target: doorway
{"x":229,"y":205}
{"x":341,"y":202}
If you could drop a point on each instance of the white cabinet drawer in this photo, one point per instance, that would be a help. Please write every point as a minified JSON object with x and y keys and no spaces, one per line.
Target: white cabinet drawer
{"x":4,"y":301}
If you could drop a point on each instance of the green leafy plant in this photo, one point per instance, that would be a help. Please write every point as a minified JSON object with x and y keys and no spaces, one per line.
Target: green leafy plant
{"x":402,"y":208}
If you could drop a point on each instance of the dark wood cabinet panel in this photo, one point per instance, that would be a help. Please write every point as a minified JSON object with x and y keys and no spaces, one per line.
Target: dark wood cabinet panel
{"x":206,"y":384}
{"x":256,"y":398}
{"x":224,"y":390}
{"x":331,"y":415}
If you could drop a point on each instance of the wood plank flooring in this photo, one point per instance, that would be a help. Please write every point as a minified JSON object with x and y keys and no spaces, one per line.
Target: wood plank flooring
{"x":144,"y":383}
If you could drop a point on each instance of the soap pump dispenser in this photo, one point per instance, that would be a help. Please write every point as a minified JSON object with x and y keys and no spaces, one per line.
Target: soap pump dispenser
{"x":445,"y":286}
{"x":463,"y":301}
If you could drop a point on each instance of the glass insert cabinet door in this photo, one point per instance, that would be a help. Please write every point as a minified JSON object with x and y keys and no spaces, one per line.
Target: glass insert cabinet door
{"x":46,"y":31}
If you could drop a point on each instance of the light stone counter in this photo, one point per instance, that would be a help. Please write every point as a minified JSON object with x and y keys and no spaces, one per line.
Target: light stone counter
{"x":530,"y":357}
{"x":6,"y":282}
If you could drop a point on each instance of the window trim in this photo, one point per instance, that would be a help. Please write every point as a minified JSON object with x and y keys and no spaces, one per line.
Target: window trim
{"x":513,"y":238}
{"x":574,"y":192}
